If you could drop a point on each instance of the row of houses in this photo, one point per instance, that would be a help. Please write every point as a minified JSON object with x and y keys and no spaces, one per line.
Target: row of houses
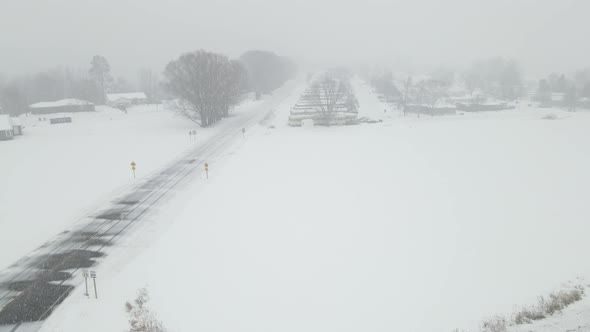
{"x":448,"y":105}
{"x":115,"y":100}
{"x":558,"y":99}
{"x":62,"y":106}
{"x":451,"y":109}
{"x":9,"y":127}
{"x":124,"y":100}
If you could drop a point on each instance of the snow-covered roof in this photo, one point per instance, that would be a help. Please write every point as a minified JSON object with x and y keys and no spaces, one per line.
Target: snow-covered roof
{"x":130,"y":96}
{"x":5,"y":123}
{"x":61,"y":103}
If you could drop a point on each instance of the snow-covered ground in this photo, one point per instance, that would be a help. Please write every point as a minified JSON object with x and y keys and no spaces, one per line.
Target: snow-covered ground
{"x":575,"y":318}
{"x":413,"y":224}
{"x":54,"y":175}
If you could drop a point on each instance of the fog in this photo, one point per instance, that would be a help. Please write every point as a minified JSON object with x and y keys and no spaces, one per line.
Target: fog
{"x":543,"y":36}
{"x":294,"y":165}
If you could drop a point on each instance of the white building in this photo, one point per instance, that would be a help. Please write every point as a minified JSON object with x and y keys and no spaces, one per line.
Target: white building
{"x":6,"y":131}
{"x":62,"y":106}
{"x":123,"y":100}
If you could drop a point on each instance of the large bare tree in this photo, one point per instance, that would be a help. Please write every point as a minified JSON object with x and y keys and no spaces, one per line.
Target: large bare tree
{"x":430,"y":93}
{"x":100,"y":72}
{"x":405,"y":99}
{"x":206,"y":85}
{"x":330,"y":94}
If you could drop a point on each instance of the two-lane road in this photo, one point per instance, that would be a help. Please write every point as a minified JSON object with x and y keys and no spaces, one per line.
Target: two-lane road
{"x":34,"y":286}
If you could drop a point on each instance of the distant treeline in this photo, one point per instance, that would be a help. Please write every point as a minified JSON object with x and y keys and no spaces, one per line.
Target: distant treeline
{"x":92,"y":85}
{"x":266,"y":70}
{"x":571,"y":92}
{"x":496,"y":78}
{"x":255,"y":71}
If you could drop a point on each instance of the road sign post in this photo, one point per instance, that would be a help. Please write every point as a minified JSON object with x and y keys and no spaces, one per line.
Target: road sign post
{"x":133,"y":168}
{"x":93,"y":276}
{"x":207,"y":170}
{"x":86,"y":283}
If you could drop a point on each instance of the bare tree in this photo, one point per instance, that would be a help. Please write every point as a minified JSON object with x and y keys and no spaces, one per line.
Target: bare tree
{"x":406,"y":94}
{"x":571,"y":98}
{"x":543,"y":94}
{"x":148,"y":83}
{"x":496,"y":76}
{"x":473,"y":80}
{"x":12,"y":99}
{"x":236,"y":84}
{"x":430,"y":93}
{"x":330,"y":94}
{"x":206,"y":84}
{"x":100,"y":72}
{"x":121,"y":85}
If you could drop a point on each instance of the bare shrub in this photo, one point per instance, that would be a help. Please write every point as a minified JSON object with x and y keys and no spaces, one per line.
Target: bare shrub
{"x":561,"y":299}
{"x":527,"y":315}
{"x":141,"y":317}
{"x":494,"y":324}
{"x":556,"y":303}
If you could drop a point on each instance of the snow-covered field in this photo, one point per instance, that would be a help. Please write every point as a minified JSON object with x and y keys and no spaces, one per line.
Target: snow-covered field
{"x":54,"y":175}
{"x":413,"y":224}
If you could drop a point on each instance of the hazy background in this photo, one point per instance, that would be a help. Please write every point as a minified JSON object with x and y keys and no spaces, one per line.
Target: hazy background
{"x":542,"y":35}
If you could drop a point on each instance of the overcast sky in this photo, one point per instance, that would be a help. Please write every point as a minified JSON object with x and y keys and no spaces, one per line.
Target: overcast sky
{"x":544,"y":35}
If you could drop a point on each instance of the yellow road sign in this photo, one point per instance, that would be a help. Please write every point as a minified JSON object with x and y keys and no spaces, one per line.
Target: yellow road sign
{"x":206,"y":166}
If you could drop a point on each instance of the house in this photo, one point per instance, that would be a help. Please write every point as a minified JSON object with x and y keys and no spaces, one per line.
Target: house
{"x":65,"y":119}
{"x":17,"y":126}
{"x":124,"y":100}
{"x":6,"y":131}
{"x":62,"y":106}
{"x":443,"y":109}
{"x":485,"y":106}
